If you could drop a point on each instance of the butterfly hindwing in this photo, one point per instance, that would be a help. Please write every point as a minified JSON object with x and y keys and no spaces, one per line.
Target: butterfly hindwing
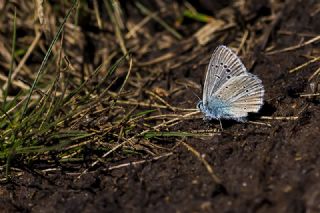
{"x":242,"y":94}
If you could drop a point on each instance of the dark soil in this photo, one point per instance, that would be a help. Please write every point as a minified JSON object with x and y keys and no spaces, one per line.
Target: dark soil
{"x":263,"y":168}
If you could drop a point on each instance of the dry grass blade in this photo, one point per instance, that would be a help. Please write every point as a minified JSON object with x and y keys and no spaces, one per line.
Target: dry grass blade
{"x":203,"y":160}
{"x":154,"y":16}
{"x":317,"y":72}
{"x":161,"y":58}
{"x":6,"y":89}
{"x":138,"y":27}
{"x":97,"y":13}
{"x":135,"y":163}
{"x":160,"y":99}
{"x":304,"y":65}
{"x":279,"y":118}
{"x":116,"y":25}
{"x":205,"y":34}
{"x":313,"y":40}
{"x":310,"y":95}
{"x":144,"y":104}
{"x":23,"y":61}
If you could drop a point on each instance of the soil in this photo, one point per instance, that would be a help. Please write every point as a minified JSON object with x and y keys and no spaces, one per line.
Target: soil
{"x":263,"y":168}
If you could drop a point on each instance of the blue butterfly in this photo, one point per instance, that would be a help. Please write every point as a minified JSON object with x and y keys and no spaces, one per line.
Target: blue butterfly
{"x":229,"y":91}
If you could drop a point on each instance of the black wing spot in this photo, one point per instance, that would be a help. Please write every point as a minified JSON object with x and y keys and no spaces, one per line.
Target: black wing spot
{"x":217,"y":65}
{"x":228,"y":77}
{"x":228,"y":70}
{"x":244,"y":87}
{"x":221,"y":63}
{"x":217,"y":76}
{"x":227,"y":87}
{"x":225,"y":66}
{"x":247,"y":90}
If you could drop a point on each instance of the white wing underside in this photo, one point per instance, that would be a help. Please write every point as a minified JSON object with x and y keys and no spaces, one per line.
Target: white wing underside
{"x":242,"y":94}
{"x":228,"y":80}
{"x":223,"y":65}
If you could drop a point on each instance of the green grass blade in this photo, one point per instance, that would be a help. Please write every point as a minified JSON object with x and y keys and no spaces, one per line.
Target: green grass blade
{"x":46,"y":57}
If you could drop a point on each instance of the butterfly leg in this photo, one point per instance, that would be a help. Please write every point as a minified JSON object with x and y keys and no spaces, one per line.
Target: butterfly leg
{"x":221,"y":125}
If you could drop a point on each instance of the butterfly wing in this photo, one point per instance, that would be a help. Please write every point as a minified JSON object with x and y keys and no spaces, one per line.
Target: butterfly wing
{"x":241,"y":94}
{"x":224,"y":64}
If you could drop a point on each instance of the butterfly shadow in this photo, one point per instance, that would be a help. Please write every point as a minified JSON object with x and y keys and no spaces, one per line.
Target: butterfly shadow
{"x":266,"y":110}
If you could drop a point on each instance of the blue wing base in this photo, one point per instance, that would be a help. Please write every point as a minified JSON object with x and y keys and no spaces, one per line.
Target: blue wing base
{"x":217,"y":109}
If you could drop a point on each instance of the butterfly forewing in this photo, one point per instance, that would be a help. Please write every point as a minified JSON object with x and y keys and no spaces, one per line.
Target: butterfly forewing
{"x":224,"y":64}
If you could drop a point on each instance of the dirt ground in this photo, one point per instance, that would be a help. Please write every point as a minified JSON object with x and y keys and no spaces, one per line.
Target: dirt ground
{"x":267,"y":165}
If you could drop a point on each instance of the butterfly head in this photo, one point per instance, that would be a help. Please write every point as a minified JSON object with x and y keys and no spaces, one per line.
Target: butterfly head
{"x":200,"y":106}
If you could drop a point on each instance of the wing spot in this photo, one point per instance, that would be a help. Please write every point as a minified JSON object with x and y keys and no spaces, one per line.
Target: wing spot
{"x":228,"y":70}
{"x":225,"y":66}
{"x":221,"y":63}
{"x":217,"y":65}
{"x":228,"y":77}
{"x":217,"y":76}
{"x":247,"y":90}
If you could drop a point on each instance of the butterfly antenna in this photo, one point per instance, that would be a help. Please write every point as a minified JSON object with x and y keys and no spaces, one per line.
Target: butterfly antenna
{"x":194,"y":93}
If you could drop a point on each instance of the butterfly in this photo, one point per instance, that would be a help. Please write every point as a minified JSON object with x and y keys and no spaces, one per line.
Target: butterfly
{"x":229,"y":92}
